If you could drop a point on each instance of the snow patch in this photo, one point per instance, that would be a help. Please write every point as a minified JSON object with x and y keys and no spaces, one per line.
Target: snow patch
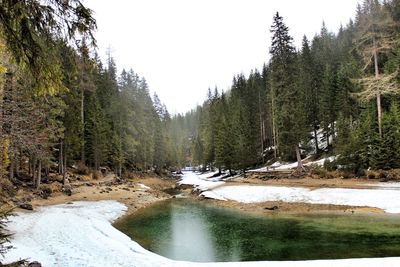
{"x":388,"y":200}
{"x":143,"y":186}
{"x":201,"y":182}
{"x":285,"y":166}
{"x":81,"y":235}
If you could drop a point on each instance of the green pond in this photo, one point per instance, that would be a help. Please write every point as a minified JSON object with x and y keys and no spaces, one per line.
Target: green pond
{"x":181,"y":229}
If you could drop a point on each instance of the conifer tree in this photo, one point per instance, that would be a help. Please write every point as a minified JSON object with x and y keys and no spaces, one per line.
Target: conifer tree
{"x":309,"y":91}
{"x":284,"y":72}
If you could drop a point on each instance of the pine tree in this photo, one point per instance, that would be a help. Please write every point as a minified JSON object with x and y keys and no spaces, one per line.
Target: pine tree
{"x":376,"y":35}
{"x":287,"y":108}
{"x":309,"y":92}
{"x":387,"y":152}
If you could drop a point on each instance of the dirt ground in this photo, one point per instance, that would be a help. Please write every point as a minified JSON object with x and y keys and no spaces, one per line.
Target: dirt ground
{"x":132,"y":192}
{"x":272,"y":207}
{"x":308,"y":182}
{"x":135,"y":196}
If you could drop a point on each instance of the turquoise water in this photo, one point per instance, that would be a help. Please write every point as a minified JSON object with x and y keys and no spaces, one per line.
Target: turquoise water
{"x":181,"y":229}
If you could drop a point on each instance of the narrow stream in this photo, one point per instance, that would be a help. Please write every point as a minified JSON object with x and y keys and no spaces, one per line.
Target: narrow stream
{"x":182,"y":229}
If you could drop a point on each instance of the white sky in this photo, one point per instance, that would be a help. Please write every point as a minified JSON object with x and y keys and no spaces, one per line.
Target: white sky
{"x":183,"y":47}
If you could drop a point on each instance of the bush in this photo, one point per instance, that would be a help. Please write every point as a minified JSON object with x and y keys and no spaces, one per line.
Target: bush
{"x":330,"y":165}
{"x":82,"y":169}
{"x":321,"y":172}
{"x":97,"y":175}
{"x":372,"y":175}
{"x":334,"y":174}
{"x":393,"y":174}
{"x":6,"y":187}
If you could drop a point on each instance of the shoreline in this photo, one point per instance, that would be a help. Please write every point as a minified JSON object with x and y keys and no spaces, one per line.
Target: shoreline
{"x":135,"y":194}
{"x":140,"y":193}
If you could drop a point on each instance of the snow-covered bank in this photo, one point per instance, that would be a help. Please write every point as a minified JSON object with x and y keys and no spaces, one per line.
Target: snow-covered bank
{"x":285,"y":166}
{"x":81,"y":234}
{"x":386,"y":199}
{"x":201,"y":182}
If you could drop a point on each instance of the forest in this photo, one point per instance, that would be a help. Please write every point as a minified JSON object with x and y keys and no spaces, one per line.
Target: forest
{"x":61,"y":107}
{"x":336,"y":95}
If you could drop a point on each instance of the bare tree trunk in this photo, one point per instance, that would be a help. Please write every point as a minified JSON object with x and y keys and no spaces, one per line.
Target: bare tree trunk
{"x":83,"y":159}
{"x":34,"y":170}
{"x":261,"y":128}
{"x":19,"y":164}
{"x":120,"y":169}
{"x":274,"y":132}
{"x":39,"y":175}
{"x":30,"y":166}
{"x":316,"y":141}
{"x":298,"y":156}
{"x":65,"y":165}
{"x":12,"y":167}
{"x":60,"y":159}
{"x":327,"y":139}
{"x":378,"y":93}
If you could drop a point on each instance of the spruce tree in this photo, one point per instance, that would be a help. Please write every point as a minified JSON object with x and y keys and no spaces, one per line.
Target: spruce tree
{"x":309,"y":92}
{"x":284,"y":75}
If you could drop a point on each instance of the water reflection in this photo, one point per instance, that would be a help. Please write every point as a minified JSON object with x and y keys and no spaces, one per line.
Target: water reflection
{"x":189,"y":236}
{"x":184,"y":230}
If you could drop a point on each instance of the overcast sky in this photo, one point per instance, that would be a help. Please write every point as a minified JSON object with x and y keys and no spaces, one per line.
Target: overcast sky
{"x":183,"y":47}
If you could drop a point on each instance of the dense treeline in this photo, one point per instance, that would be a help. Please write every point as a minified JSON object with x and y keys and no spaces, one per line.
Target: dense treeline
{"x":61,"y":107}
{"x":337,"y":94}
{"x":99,"y":119}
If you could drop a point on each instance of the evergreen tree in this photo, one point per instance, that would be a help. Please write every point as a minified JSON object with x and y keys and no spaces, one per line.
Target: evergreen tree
{"x":386,"y":154}
{"x":287,"y":109}
{"x":309,"y":91}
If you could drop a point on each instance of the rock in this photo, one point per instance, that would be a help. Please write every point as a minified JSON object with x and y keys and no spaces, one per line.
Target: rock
{"x":108,"y":189}
{"x":271,"y":208}
{"x":126,"y":189}
{"x":35,"y":264}
{"x":26,"y":206}
{"x":67,"y":190}
{"x":45,"y":192}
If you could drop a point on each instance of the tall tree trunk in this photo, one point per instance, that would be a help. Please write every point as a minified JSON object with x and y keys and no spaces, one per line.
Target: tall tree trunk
{"x":19,"y":164}
{"x":30,"y":166}
{"x":83,"y":159}
{"x":298,"y":156}
{"x":316,"y":141}
{"x":378,"y":93}
{"x":34,"y":174}
{"x":261,"y":128}
{"x":274,"y":132}
{"x":12,"y":167}
{"x":65,"y":165}
{"x":60,"y":159}
{"x":327,"y":138}
{"x":39,"y":175}
{"x":120,"y":169}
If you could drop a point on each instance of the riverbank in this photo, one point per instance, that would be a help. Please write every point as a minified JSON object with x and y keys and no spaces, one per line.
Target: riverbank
{"x":306,"y":195}
{"x":134,"y":193}
{"x":66,"y":231}
{"x":81,"y":234}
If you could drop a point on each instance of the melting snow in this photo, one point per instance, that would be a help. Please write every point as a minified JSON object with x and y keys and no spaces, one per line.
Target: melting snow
{"x":143,"y":186}
{"x":201,"y":182}
{"x":388,"y":200}
{"x":281,"y":166}
{"x":81,"y":234}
